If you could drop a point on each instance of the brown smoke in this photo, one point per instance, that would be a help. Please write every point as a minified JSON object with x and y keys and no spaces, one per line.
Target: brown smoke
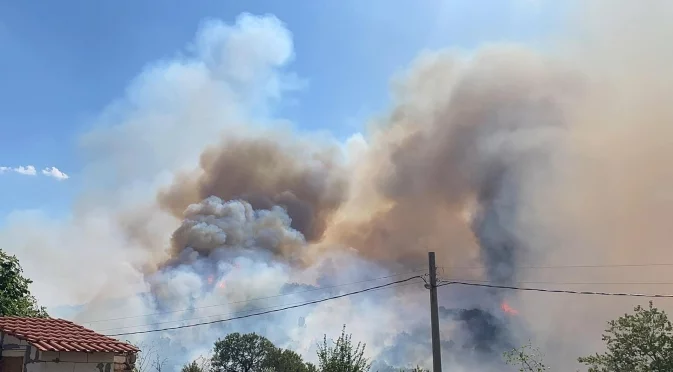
{"x":457,"y":127}
{"x":460,"y":129}
{"x":308,"y":182}
{"x":508,"y":157}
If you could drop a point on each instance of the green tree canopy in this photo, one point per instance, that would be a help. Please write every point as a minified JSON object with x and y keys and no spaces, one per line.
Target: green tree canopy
{"x":638,"y":342}
{"x":192,"y":367}
{"x":342,"y":355}
{"x":253,"y":353}
{"x":241,"y":353}
{"x":15,"y":297}
{"x":283,"y":360}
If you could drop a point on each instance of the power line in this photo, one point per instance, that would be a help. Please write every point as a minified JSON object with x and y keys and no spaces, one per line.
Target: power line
{"x":269,"y":311}
{"x":252,"y":299}
{"x":566,"y":266}
{"x":405,"y":273}
{"x":200,"y":318}
{"x":555,"y":290}
{"x":298,"y":303}
{"x":562,"y":283}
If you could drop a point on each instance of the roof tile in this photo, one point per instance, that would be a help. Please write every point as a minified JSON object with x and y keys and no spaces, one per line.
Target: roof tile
{"x":51,"y":334}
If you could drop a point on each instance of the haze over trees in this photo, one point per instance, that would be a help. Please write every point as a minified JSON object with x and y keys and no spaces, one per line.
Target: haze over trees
{"x":638,"y":342}
{"x":641,"y":341}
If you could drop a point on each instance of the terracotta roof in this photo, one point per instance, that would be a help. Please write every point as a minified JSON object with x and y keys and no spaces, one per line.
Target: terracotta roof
{"x":51,"y":334}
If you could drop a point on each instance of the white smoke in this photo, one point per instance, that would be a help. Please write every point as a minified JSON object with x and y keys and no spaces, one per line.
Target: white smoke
{"x":568,"y":158}
{"x":170,"y":113}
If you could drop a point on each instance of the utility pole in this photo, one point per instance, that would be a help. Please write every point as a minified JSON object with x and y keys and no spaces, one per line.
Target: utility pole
{"x":434,"y":315}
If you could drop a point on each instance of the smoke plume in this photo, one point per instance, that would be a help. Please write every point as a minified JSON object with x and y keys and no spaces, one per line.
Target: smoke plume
{"x":504,"y":159}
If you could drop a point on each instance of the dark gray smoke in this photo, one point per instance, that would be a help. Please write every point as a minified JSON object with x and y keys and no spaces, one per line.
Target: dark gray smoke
{"x":482,"y":333}
{"x":477,"y":340}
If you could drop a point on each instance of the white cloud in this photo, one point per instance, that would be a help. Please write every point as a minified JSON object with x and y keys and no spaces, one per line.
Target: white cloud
{"x":30,"y":170}
{"x":27,"y":170}
{"x":55,"y":172}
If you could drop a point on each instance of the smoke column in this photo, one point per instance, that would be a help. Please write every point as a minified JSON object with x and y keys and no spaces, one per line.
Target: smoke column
{"x":505,"y":158}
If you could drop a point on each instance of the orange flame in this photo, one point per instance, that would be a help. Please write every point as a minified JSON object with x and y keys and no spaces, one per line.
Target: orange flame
{"x":508,"y":309}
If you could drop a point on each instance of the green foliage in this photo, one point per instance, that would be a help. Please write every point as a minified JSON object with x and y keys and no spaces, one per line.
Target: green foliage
{"x":254,"y":353}
{"x":342,"y":356}
{"x":415,"y":369}
{"x":637,"y":342}
{"x":192,"y":367}
{"x":283,"y":360}
{"x":526,"y":358}
{"x":15,"y":298}
{"x":241,"y":353}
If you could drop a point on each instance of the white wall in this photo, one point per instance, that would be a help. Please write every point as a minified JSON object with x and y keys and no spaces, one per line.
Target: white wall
{"x":72,"y":362}
{"x":67,"y":361}
{"x":76,"y":357}
{"x":63,"y":367}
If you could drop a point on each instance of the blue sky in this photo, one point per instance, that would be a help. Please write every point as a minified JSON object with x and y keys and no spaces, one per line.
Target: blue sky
{"x":64,"y":62}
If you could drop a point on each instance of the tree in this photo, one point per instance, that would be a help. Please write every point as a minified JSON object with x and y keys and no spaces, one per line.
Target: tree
{"x":241,"y":353}
{"x":283,"y":360}
{"x":527,"y":358}
{"x":637,"y":342}
{"x":149,"y":359}
{"x":15,"y":297}
{"x":254,"y":353}
{"x":342,"y":356}
{"x":159,"y":363}
{"x":200,"y":364}
{"x":194,"y":366}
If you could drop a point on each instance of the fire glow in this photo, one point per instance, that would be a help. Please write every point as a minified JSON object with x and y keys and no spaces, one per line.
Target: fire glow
{"x":508,"y":309}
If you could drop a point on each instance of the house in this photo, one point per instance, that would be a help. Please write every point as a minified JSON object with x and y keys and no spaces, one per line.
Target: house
{"x":58,"y":345}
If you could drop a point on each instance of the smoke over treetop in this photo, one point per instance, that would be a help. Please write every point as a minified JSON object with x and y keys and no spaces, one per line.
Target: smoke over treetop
{"x":445,"y":173}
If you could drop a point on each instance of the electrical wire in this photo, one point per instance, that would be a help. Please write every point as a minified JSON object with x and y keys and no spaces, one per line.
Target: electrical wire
{"x":559,"y":283}
{"x":211,"y":316}
{"x":554,"y":290}
{"x":398,"y":283}
{"x":254,"y":299}
{"x":406,"y":273}
{"x":595,"y":266}
{"x":267,"y":312}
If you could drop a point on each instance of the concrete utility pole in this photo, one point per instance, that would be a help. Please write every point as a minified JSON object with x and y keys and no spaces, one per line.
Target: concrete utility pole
{"x":434,"y":315}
